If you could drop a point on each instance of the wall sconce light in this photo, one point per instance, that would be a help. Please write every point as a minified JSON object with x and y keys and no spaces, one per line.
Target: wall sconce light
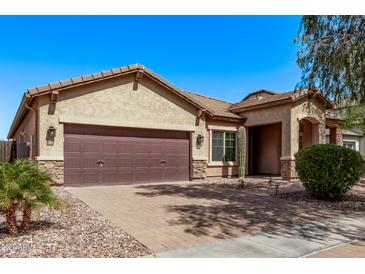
{"x":51,"y":132}
{"x":199,"y":140}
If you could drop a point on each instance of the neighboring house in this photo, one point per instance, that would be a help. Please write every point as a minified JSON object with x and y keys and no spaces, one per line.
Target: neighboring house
{"x":129,"y":125}
{"x":352,"y":138}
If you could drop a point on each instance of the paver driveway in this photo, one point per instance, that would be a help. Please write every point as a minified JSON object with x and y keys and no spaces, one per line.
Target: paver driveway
{"x":183,"y":215}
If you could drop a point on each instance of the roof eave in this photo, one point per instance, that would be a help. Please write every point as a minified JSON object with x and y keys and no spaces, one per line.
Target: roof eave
{"x":229,"y":119}
{"x":19,"y":114}
{"x":96,"y":77}
{"x":258,"y":106}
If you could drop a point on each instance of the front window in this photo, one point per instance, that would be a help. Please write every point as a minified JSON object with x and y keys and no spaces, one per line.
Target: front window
{"x":350,"y":145}
{"x":223,"y":146}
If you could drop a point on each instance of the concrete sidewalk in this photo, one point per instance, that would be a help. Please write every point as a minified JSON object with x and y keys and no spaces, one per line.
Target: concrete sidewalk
{"x":355,"y":249}
{"x":289,"y":242}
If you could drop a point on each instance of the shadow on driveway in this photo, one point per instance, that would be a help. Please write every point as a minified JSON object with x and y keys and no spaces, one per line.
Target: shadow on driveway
{"x":226,"y":211}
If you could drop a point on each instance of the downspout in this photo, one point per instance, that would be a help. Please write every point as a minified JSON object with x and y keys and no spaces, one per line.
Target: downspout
{"x":35,"y":129}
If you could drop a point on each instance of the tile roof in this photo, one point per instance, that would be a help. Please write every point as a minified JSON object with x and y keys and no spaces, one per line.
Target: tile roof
{"x":263,"y":100}
{"x":217,"y":106}
{"x":289,"y":96}
{"x":212,"y":106}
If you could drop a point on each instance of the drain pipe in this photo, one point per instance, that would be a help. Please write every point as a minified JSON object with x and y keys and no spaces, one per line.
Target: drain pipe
{"x":35,"y":127}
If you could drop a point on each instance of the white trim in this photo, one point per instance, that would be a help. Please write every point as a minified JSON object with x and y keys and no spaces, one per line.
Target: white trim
{"x":90,"y":121}
{"x":222,"y":128}
{"x":213,"y":164}
{"x":356,"y":142}
{"x":49,"y":158}
{"x":199,"y":158}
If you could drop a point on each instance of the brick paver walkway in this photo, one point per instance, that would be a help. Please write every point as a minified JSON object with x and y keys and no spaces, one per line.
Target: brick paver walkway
{"x":186,"y":214}
{"x":354,"y":249}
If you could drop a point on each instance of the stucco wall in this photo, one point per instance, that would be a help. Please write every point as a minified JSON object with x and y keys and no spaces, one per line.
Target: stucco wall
{"x":26,"y":131}
{"x":315,"y":111}
{"x":115,"y":103}
{"x":272,"y":115}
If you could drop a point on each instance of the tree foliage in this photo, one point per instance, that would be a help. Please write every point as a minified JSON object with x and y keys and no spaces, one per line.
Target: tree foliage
{"x":331,"y":56}
{"x":354,"y":117}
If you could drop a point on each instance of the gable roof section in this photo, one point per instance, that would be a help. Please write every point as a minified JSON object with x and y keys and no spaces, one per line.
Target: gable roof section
{"x":268,"y":92}
{"x":279,"y":98}
{"x":260,"y":102}
{"x":353,"y":132}
{"x":218,"y":107}
{"x":205,"y":105}
{"x":112,"y":73}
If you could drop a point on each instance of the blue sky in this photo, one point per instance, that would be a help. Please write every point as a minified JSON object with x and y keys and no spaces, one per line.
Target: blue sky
{"x":220,"y":56}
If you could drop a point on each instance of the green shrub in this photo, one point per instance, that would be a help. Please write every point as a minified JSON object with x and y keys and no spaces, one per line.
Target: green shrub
{"x":328,"y":171}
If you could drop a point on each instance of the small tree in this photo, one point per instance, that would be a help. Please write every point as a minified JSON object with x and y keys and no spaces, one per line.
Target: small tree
{"x":9,"y":191}
{"x":24,"y":186}
{"x":34,"y":191}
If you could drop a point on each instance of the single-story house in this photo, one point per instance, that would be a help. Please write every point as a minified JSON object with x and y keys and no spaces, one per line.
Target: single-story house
{"x":129,"y":125}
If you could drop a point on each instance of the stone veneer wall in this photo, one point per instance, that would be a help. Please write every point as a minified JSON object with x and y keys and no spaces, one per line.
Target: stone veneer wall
{"x":199,"y":169}
{"x":55,"y":169}
{"x":339,"y":140}
{"x":288,"y":169}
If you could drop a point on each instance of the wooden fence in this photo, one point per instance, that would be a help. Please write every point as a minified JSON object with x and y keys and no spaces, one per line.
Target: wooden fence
{"x":7,"y":150}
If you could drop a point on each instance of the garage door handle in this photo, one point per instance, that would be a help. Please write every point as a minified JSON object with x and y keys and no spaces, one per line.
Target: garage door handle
{"x":100,"y":163}
{"x":163,"y":162}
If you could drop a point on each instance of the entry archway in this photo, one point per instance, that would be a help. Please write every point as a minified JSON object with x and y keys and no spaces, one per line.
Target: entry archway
{"x":308,"y":132}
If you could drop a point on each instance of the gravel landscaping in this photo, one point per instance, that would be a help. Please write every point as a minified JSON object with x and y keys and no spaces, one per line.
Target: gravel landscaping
{"x":354,"y":199}
{"x":77,"y":232}
{"x":293,"y":191}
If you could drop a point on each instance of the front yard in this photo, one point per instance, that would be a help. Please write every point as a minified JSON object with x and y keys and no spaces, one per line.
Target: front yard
{"x":78,"y":232}
{"x":175,"y":216}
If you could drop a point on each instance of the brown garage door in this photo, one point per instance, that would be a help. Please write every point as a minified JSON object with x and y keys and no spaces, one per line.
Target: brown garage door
{"x":107,"y":156}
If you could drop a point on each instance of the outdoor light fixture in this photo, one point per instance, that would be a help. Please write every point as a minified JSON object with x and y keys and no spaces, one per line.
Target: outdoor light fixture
{"x":199,"y":140}
{"x":51,"y":132}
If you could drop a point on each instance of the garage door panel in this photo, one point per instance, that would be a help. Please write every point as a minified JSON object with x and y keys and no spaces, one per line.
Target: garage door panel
{"x":72,"y":146}
{"x":89,"y":146}
{"x":110,"y":161}
{"x":126,"y":162}
{"x":75,"y":177}
{"x":127,"y":159}
{"x":90,"y":176}
{"x":125,"y":147}
{"x":177,"y":175}
{"x":89,"y":161}
{"x":156,"y":175}
{"x":74,"y":162}
{"x":109,"y":177}
{"x":109,"y":147}
{"x":126,"y":176}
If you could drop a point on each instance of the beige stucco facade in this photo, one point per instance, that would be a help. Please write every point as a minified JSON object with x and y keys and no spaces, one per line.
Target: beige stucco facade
{"x":147,"y":103}
{"x":290,"y":115}
{"x":116,"y":103}
{"x":26,"y":134}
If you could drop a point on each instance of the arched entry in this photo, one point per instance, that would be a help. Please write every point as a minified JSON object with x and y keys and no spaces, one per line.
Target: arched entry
{"x":308,"y":132}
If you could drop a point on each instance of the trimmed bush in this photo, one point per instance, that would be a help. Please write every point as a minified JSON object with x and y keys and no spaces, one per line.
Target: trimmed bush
{"x":328,"y":171}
